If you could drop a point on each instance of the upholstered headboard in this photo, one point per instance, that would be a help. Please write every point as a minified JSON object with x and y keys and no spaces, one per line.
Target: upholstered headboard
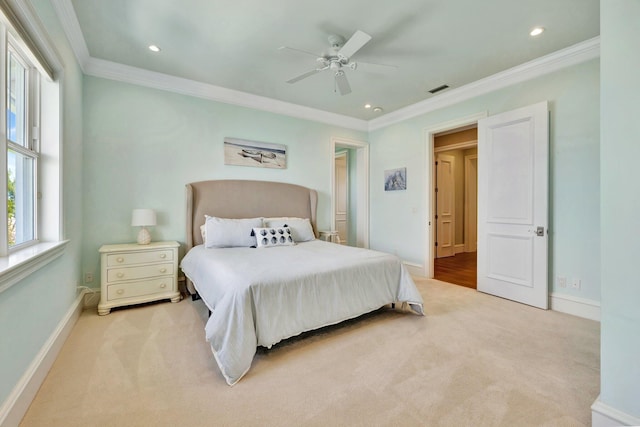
{"x":245,"y":199}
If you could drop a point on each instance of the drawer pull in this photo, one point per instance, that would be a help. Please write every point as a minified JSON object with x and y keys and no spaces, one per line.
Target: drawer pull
{"x":163,"y":285}
{"x":120,"y":291}
{"x":120,"y":259}
{"x":163,"y":270}
{"x":163,"y":255}
{"x":120,"y":275}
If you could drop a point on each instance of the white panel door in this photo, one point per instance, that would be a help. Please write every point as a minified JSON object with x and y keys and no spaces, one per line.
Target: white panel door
{"x":513,"y":151}
{"x":445,"y":204}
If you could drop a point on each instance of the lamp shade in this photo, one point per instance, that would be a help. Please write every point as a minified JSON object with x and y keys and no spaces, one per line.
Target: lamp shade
{"x":143,"y":217}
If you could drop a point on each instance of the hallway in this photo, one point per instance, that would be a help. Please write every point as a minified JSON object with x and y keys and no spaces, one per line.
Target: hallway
{"x":459,"y":269}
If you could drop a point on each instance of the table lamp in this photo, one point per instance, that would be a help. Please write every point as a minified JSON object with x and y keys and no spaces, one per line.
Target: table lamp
{"x":143,"y":218}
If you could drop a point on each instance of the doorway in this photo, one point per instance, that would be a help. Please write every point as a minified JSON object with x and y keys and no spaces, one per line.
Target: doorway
{"x":455,"y":194}
{"x":358,"y":201}
{"x":429,"y":235}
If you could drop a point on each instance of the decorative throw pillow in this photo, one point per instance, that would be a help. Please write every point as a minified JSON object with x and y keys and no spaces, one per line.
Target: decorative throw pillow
{"x":273,"y":236}
{"x":301,"y":229}
{"x":230,"y":233}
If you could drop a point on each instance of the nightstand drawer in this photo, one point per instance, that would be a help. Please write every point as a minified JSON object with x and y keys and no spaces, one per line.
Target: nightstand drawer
{"x":136,"y":289}
{"x":139,"y":257}
{"x":142,"y":272}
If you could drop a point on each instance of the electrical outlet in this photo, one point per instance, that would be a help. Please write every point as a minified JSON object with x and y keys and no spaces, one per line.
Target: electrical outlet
{"x":88,"y":277}
{"x":562,"y":281}
{"x":575,"y":283}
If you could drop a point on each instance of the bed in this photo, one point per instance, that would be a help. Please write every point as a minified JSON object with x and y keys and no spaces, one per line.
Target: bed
{"x":259,"y":296}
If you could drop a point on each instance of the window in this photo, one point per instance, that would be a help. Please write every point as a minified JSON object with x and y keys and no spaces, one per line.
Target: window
{"x":21,"y":149}
{"x":31,"y":222}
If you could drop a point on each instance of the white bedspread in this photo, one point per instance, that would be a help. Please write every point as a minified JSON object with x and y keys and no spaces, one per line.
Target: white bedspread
{"x":259,"y":297}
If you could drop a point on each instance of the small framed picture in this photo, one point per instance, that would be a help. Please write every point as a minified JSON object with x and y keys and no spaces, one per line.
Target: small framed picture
{"x":395,"y":179}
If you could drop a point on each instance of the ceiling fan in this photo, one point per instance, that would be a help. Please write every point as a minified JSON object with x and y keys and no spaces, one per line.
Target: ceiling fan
{"x":339,"y":57}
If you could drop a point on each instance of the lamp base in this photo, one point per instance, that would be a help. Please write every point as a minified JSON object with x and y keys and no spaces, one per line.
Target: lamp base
{"x":144,"y":237}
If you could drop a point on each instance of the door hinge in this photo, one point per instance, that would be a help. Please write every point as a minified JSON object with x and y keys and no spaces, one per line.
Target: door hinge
{"x":436,"y":216}
{"x":436,"y":189}
{"x":436,"y":244}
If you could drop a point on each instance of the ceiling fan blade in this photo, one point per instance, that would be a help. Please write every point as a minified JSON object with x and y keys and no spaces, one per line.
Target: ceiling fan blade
{"x":294,"y":50}
{"x":342,"y":83}
{"x":372,"y":67}
{"x":305,"y":75}
{"x":354,"y":44}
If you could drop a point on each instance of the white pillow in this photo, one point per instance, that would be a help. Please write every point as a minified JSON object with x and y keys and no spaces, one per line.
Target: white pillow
{"x":273,"y":236}
{"x":301,"y":229}
{"x":230,"y":233}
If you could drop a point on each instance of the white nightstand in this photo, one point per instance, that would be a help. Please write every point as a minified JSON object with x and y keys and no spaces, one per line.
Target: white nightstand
{"x":134,"y":274}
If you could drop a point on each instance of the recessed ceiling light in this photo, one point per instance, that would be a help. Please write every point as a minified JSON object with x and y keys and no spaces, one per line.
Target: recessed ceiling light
{"x":367,"y":106}
{"x":154,"y":48}
{"x":536,"y":31}
{"x":377,"y":110}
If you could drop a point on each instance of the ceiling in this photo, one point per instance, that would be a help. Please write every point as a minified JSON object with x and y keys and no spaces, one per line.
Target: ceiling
{"x":234,"y":43}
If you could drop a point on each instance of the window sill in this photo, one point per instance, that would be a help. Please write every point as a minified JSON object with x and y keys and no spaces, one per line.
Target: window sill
{"x":22,"y":263}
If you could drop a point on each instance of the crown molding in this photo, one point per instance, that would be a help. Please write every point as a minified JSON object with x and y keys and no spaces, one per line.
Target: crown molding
{"x":572,"y":55}
{"x":69,"y":21}
{"x":141,"y":77}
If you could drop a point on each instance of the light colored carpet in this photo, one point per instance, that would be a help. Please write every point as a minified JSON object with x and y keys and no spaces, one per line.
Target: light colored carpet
{"x":473,"y":360}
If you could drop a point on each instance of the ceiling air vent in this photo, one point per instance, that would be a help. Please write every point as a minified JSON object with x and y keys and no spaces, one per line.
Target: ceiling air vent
{"x":439,"y":88}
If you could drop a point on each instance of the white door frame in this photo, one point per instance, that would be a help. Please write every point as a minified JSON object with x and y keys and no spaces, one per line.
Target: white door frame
{"x":470,"y":219}
{"x":362,"y":184}
{"x":429,"y":138}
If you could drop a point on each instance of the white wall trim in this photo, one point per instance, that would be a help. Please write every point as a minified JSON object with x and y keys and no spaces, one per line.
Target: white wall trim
{"x":18,"y":401}
{"x":67,"y":16}
{"x":603,"y":415}
{"x":572,"y":55}
{"x":138,"y":76}
{"x":581,"y":307}
{"x":415,"y":269}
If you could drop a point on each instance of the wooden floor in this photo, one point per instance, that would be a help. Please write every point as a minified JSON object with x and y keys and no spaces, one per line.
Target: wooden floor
{"x":459,"y":269}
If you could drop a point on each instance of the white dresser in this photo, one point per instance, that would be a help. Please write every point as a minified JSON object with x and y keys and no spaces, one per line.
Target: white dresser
{"x":134,"y":274}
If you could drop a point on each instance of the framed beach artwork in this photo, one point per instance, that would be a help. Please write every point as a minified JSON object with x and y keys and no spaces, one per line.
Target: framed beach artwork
{"x":242,"y":152}
{"x":395,"y":179}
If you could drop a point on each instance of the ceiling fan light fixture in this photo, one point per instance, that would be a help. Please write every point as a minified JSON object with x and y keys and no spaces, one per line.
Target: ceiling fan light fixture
{"x":154,"y":48}
{"x":536,"y":31}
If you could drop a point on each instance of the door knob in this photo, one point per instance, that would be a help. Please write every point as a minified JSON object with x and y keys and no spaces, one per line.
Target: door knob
{"x":540,"y":231}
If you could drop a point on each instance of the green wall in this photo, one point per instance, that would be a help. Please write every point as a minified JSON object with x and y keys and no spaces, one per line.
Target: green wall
{"x":31,"y":309}
{"x":620,"y":149}
{"x":143,"y":145}
{"x":398,"y":217}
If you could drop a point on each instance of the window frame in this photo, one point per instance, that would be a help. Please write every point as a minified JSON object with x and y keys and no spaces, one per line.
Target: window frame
{"x":31,"y":147}
{"x":20,"y":26}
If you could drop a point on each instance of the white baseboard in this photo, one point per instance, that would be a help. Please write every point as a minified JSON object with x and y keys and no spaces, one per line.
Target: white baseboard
{"x":458,"y":249}
{"x":415,"y":269}
{"x":581,"y":307}
{"x":603,"y":415}
{"x":18,"y":401}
